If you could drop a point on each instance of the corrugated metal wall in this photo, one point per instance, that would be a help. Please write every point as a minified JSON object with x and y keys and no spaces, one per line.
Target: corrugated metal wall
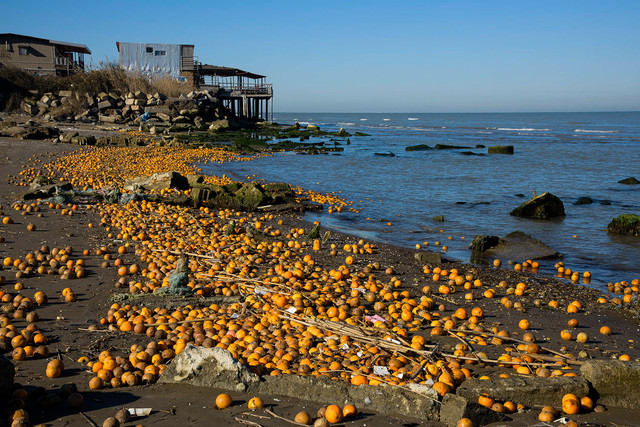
{"x":151,"y":58}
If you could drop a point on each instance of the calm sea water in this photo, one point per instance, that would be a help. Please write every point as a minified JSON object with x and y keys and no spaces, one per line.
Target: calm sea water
{"x":568,"y":154}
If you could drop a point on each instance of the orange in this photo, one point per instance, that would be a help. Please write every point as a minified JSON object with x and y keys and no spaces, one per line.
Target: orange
{"x":524,"y":324}
{"x":333,"y":414}
{"x":254,"y":403}
{"x":223,"y":401}
{"x":349,"y":411}
{"x":570,"y":406}
{"x":485,"y":400}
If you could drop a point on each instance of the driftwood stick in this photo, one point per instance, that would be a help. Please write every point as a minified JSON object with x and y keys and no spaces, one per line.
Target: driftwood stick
{"x":89,"y":420}
{"x":488,"y":334}
{"x":274,"y":415}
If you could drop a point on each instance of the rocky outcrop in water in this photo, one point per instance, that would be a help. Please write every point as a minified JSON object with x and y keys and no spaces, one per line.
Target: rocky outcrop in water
{"x":544,"y":206}
{"x":583,"y":201}
{"x":518,"y":246}
{"x":501,"y":149}
{"x":482,"y":242}
{"x":627,"y":224}
{"x":629,"y":181}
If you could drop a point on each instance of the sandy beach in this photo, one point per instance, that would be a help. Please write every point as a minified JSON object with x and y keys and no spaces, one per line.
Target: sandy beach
{"x":464,"y":311}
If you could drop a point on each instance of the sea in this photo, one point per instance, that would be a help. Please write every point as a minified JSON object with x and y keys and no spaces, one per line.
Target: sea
{"x":571,"y":155}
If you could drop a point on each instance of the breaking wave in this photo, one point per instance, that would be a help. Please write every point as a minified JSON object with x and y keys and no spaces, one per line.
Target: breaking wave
{"x":596,"y":131}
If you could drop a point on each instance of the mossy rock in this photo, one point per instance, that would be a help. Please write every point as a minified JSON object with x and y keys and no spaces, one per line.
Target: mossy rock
{"x":626,"y":224}
{"x":233,"y":187}
{"x":250,"y":196}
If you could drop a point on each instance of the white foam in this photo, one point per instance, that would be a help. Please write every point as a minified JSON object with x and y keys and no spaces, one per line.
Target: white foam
{"x":413,"y":118}
{"x":522,"y":129}
{"x":363,"y":120}
{"x":596,"y":131}
{"x":345,"y":124}
{"x":386,"y":120}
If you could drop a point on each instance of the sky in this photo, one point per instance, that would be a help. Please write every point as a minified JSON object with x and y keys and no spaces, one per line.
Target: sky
{"x":374,"y":56}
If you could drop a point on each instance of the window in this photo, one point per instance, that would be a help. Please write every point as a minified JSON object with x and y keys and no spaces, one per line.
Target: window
{"x":149,"y":49}
{"x":161,"y":53}
{"x":23,"y":50}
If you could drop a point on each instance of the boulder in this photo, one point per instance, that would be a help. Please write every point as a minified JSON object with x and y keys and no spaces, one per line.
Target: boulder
{"x":158,"y":181}
{"x":544,"y":206}
{"x":428,"y":257}
{"x":209,"y":367}
{"x":219,"y":126}
{"x":39,"y":182}
{"x":7,"y":372}
{"x":500,"y":149}
{"x":615,"y":381}
{"x":518,"y":245}
{"x":312,"y":127}
{"x":199,"y":123}
{"x":626,"y":224}
{"x":629,"y":181}
{"x":279,"y":193}
{"x":482,"y":242}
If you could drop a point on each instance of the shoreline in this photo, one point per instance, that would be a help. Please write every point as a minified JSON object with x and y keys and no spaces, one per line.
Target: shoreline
{"x":92,"y":303}
{"x":463,"y":254}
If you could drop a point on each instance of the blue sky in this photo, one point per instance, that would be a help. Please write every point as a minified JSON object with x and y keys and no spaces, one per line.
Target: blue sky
{"x":372,"y":56}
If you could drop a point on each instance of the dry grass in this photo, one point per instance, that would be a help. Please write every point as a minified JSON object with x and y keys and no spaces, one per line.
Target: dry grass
{"x":169,"y":86}
{"x":106,"y":77}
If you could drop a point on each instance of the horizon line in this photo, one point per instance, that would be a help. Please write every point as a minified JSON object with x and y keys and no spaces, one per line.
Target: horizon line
{"x":457,"y":112}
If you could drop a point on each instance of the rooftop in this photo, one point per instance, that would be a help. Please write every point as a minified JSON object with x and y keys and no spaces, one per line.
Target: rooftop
{"x":69,"y":47}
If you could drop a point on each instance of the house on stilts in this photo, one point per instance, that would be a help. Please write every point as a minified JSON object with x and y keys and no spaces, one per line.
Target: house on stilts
{"x":246,"y":94}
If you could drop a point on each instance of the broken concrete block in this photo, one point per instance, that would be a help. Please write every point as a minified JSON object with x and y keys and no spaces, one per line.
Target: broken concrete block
{"x":526,"y":390}
{"x":104,"y":105}
{"x":158,"y":181}
{"x":615,"y":381}
{"x":455,"y":407}
{"x":29,"y":108}
{"x":46,"y":191}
